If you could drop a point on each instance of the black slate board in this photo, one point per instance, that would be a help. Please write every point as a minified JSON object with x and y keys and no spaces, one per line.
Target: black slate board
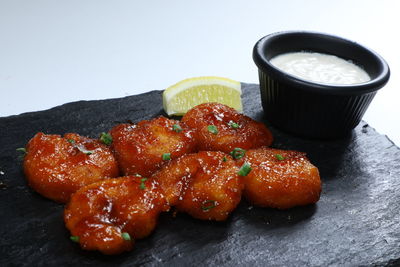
{"x":356,"y":222}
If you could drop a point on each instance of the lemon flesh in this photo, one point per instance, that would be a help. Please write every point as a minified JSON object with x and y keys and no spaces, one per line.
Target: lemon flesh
{"x":184,"y":95}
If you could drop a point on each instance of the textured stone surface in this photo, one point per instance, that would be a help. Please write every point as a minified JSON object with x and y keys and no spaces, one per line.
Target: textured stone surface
{"x":356,"y":222}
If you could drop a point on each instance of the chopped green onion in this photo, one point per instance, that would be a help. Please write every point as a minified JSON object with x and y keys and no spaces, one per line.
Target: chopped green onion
{"x":80,"y":147}
{"x":209,"y":204}
{"x":142,"y":185}
{"x":233,"y":124}
{"x":237,"y":153}
{"x":166,"y":156}
{"x":84,"y":150}
{"x":177,"y":128}
{"x":245,"y":169}
{"x":21,"y":149}
{"x":74,"y":238}
{"x":23,"y":152}
{"x":126,"y":236}
{"x":106,"y":138}
{"x":224,"y":159}
{"x":212,"y":129}
{"x":279,"y":157}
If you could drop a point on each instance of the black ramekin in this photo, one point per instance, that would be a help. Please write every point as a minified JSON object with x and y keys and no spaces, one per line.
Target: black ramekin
{"x":312,"y":109}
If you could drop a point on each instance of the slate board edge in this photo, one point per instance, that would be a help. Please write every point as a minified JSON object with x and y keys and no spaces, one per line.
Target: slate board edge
{"x":30,"y":113}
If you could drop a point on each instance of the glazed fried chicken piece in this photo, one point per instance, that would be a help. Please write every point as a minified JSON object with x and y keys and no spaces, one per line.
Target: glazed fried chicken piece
{"x":205,"y":185}
{"x":56,"y":166}
{"x":280,"y":178}
{"x":144,"y":147}
{"x":109,"y":215}
{"x":221,"y":128}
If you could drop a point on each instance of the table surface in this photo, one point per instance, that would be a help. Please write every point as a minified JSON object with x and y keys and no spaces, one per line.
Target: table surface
{"x":54,"y":52}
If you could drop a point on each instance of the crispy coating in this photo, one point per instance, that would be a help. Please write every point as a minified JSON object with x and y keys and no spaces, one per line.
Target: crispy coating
{"x":103,"y":213}
{"x":205,"y":185}
{"x":280,"y":178}
{"x":139,"y":148}
{"x":56,"y":166}
{"x":233,"y":130}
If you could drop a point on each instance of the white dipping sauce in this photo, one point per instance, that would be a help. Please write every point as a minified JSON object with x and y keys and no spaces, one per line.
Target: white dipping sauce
{"x":322,"y":68}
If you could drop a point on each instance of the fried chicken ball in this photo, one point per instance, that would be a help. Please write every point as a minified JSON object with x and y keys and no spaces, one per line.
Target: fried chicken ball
{"x":221,"y":128}
{"x":280,"y":178}
{"x":205,"y":185}
{"x":109,"y":215}
{"x":56,"y":166}
{"x":144,"y":147}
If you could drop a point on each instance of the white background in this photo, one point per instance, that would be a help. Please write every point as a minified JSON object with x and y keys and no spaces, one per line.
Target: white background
{"x":54,"y":52}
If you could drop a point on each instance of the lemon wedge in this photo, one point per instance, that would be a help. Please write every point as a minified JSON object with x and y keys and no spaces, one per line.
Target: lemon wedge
{"x":184,"y":95}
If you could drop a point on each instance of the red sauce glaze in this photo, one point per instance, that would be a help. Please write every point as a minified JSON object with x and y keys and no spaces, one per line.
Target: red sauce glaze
{"x":280,"y":178}
{"x":56,"y":167}
{"x":205,"y":185}
{"x":248,"y":134}
{"x":100,"y":213}
{"x":139,"y":148}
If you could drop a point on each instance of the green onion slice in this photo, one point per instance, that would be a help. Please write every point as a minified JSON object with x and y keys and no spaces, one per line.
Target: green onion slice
{"x":279,"y":157}
{"x":80,"y":147}
{"x":245,"y":169}
{"x":177,"y":128}
{"x":74,"y":238}
{"x":224,"y":159}
{"x":209,"y":204}
{"x":21,"y":149}
{"x":84,"y":150}
{"x":166,"y":156}
{"x":237,"y":153}
{"x":106,"y":138}
{"x":212,"y":129}
{"x":142,"y":185}
{"x":126,"y":236}
{"x":233,"y":124}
